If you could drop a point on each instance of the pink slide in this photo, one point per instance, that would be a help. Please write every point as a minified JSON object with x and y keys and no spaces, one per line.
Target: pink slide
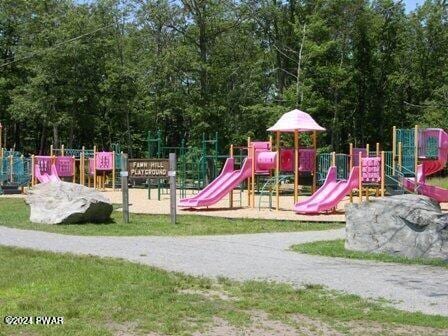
{"x":44,"y":178}
{"x":430,"y":167}
{"x":221,"y":186}
{"x":330,"y":194}
{"x":54,"y":177}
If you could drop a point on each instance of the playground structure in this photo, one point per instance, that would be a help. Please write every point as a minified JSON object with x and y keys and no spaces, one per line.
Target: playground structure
{"x":197,"y":165}
{"x":267,"y":168}
{"x":75,"y":165}
{"x":262,"y":160}
{"x":400,"y":170}
{"x":362,"y":171}
{"x":14,"y":169}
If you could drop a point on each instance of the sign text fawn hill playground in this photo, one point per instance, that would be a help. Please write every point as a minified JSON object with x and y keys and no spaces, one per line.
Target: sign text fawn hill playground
{"x":148,"y":168}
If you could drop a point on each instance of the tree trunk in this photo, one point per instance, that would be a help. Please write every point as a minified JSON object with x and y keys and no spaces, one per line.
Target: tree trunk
{"x":299,"y":64}
{"x":17,"y":136}
{"x":55,"y":136}
{"x":43,"y":139}
{"x":203,"y":56}
{"x":71,"y":137}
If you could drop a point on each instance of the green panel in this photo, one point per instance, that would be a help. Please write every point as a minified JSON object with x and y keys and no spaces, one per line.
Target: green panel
{"x":323,"y":165}
{"x":407,"y":139}
{"x":342,"y":165}
{"x":430,"y":147}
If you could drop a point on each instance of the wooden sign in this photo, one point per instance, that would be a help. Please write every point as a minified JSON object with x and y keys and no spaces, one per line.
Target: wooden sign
{"x":148,"y":168}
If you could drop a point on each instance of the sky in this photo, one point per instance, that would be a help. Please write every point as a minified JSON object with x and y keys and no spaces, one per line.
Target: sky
{"x":412,"y":4}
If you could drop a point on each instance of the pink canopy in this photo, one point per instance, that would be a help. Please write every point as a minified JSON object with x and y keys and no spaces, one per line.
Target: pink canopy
{"x":296,"y":120}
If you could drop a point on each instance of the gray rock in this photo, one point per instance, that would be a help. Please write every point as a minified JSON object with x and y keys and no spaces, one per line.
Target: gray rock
{"x":63,"y":202}
{"x":406,"y":225}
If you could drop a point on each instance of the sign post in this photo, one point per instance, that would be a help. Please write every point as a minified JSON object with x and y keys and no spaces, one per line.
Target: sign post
{"x":172,"y":175}
{"x":124,"y":187}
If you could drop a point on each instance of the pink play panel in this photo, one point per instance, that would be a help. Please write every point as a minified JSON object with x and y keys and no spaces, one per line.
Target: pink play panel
{"x":104,"y":161}
{"x":65,"y":166}
{"x":371,"y":169}
{"x":44,"y":163}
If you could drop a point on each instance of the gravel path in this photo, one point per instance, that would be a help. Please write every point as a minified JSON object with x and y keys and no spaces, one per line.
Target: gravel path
{"x":259,"y":256}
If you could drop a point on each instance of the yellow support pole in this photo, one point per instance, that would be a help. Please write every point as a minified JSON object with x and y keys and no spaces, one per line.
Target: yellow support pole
{"x":231,"y":191}
{"x":416,"y":149}
{"x":315,"y":163}
{"x":32,"y":171}
{"x":74,"y":169}
{"x":333,"y":159}
{"x":377,"y":149}
{"x":350,"y":168}
{"x":296,"y":166}
{"x":82,"y":167}
{"x":248,"y":179}
{"x":94,"y":167}
{"x":360,"y":177}
{"x":51,"y":150}
{"x":1,"y":136}
{"x":62,"y":150}
{"x":350,"y":151}
{"x":383,"y":176}
{"x":394,"y":148}
{"x":253,"y":177}
{"x":11,"y":167}
{"x":113,"y":171}
{"x":277,"y":172}
{"x":368,"y":150}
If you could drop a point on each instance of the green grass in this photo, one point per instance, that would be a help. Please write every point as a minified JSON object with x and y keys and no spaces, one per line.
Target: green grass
{"x":335,"y":248}
{"x":15,"y":213}
{"x":439,"y":181}
{"x":96,"y":295}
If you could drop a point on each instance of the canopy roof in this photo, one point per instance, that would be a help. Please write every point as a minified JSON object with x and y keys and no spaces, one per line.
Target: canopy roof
{"x":296,"y":120}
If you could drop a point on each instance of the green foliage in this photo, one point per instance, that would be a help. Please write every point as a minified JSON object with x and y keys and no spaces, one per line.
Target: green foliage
{"x":110,"y":70}
{"x":107,"y":297}
{"x":336,"y":248}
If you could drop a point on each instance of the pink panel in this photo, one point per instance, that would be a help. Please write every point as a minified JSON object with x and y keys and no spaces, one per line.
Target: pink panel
{"x":287,"y":160}
{"x":371,"y":169}
{"x":265,"y":161}
{"x":65,"y":166}
{"x":307,"y":160}
{"x":262,"y":152}
{"x":261,"y":145}
{"x":44,"y":163}
{"x":104,"y":161}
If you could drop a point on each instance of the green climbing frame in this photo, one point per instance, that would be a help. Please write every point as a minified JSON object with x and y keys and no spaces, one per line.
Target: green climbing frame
{"x":197,"y":166}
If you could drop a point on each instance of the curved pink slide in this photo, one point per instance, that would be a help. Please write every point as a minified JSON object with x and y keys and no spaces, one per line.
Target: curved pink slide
{"x":44,"y":178}
{"x":330,"y":194}
{"x":221,"y":186}
{"x":430,"y":167}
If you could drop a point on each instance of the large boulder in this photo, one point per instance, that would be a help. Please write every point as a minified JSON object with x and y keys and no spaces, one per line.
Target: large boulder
{"x":63,"y":202}
{"x":406,"y":225}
